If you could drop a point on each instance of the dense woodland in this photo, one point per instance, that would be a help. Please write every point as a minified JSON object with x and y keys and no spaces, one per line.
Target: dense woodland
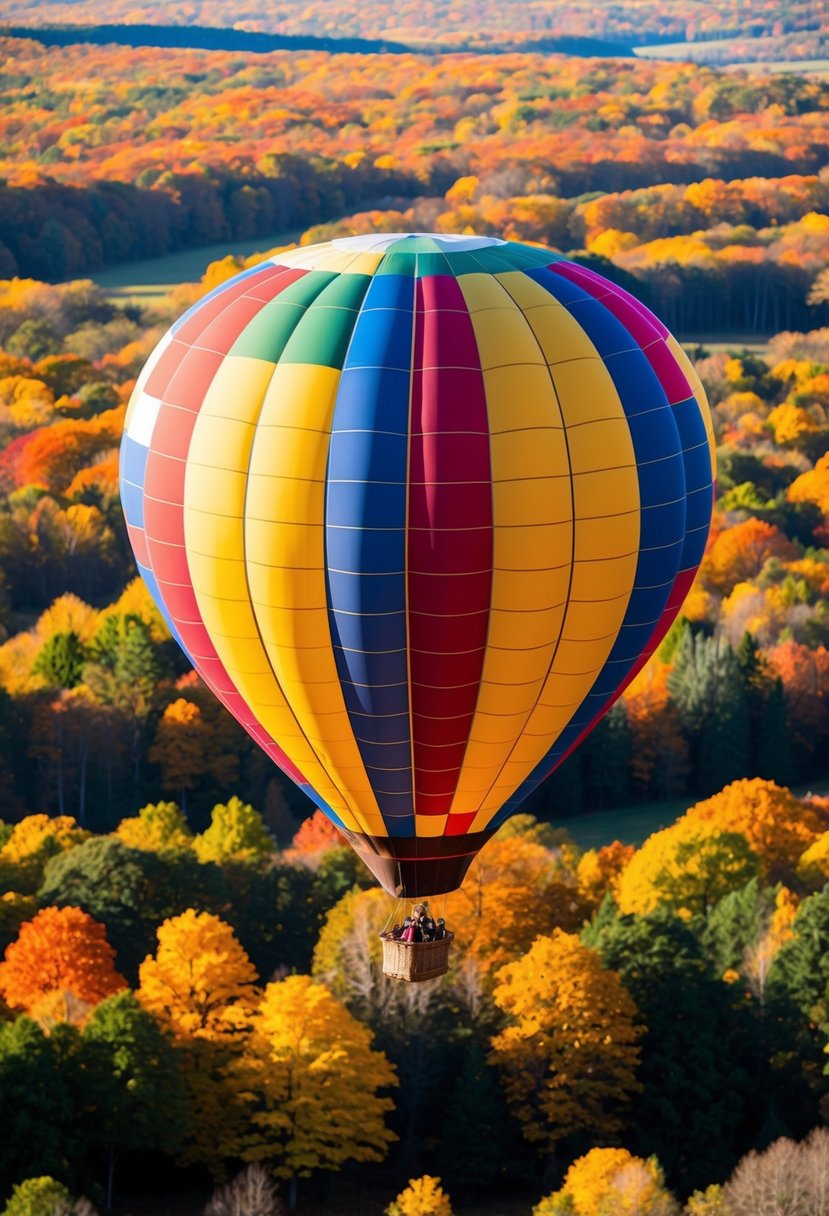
{"x":623,"y":1031}
{"x":707,"y":187}
{"x":771,"y":29}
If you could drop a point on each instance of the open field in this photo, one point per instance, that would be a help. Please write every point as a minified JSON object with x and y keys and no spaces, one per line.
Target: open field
{"x":717,"y":51}
{"x":148,"y":281}
{"x":629,"y":824}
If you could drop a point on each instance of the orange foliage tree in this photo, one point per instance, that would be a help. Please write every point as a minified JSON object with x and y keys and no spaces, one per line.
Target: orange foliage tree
{"x":739,"y":553}
{"x":512,"y":884}
{"x":63,"y":950}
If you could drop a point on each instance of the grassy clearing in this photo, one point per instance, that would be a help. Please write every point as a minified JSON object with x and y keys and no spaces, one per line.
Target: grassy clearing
{"x":147,"y":281}
{"x":629,"y":824}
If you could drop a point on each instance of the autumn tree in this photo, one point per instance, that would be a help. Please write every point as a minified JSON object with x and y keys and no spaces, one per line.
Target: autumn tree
{"x":41,"y":1196}
{"x":611,"y":1180}
{"x":599,"y":870}
{"x":201,"y":987}
{"x":179,"y":747}
{"x":31,"y":843}
{"x":200,"y":984}
{"x":778,"y":826}
{"x":786,"y":1177}
{"x":251,"y":1193}
{"x":61,"y":950}
{"x":569,"y":1051}
{"x":316,"y":836}
{"x":159,"y":827}
{"x":517,"y":883}
{"x":740,"y":552}
{"x":236,"y":833}
{"x":688,"y":867}
{"x":422,"y":1197}
{"x":311,"y":1081}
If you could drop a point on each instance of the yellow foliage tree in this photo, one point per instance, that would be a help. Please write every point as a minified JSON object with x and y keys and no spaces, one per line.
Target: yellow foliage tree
{"x":813,"y":865}
{"x":311,"y":1080}
{"x":611,"y":1182}
{"x":236,"y":833}
{"x":599,"y":870}
{"x":158,"y":827}
{"x":777,"y":825}
{"x":201,"y":983}
{"x":422,"y":1197}
{"x":135,"y":600}
{"x":812,"y":486}
{"x":688,"y":867}
{"x":67,"y":614}
{"x":181,"y":740}
{"x":32,"y":842}
{"x":569,"y":1052}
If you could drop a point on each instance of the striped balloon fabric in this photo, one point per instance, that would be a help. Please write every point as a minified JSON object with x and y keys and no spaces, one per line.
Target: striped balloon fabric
{"x":417,"y":508}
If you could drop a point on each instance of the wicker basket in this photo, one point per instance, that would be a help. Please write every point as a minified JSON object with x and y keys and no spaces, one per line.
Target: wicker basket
{"x":415,"y":961}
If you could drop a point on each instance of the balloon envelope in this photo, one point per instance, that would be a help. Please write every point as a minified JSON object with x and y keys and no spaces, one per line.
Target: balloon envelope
{"x":417,"y":508}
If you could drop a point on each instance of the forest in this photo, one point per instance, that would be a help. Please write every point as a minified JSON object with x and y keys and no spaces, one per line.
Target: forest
{"x":770,"y":29}
{"x":707,"y":188}
{"x":193,"y":1016}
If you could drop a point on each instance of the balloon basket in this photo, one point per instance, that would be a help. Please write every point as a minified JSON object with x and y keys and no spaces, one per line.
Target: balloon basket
{"x":415,"y":961}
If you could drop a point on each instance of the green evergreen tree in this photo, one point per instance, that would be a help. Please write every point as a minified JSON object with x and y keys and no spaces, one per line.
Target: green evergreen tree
{"x":708,"y":689}
{"x":124,"y":670}
{"x":61,"y":661}
{"x":606,"y":757}
{"x":770,"y":743}
{"x":801,"y":969}
{"x":475,"y":1128}
{"x":135,"y":1083}
{"x":775,"y":754}
{"x":735,"y":924}
{"x":708,"y":1086}
{"x":38,"y":1109}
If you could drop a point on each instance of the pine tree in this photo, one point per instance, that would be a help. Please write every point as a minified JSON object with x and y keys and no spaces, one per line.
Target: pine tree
{"x":476,"y":1126}
{"x":708,"y":689}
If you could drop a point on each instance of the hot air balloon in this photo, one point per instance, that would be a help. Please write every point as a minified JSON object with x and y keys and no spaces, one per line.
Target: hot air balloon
{"x":417,"y":508}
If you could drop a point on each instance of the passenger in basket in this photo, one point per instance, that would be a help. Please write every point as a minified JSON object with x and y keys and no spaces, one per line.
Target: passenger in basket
{"x":411,"y":931}
{"x":427,"y":926}
{"x":440,"y":929}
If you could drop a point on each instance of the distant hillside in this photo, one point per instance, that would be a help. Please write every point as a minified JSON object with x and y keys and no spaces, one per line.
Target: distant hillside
{"x":198,"y":37}
{"x":217,"y":38}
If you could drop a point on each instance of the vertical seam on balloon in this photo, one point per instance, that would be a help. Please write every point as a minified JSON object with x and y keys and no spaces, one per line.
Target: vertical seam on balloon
{"x":492,"y":570}
{"x":415,"y":281}
{"x":358,"y":815}
{"x":572,"y":547}
{"x":313,"y":750}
